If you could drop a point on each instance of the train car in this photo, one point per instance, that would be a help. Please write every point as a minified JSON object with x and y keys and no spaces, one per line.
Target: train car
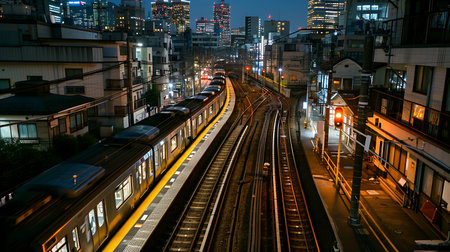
{"x":76,"y":205}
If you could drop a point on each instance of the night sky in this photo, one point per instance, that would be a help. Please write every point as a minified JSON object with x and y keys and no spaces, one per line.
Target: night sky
{"x":294,"y":11}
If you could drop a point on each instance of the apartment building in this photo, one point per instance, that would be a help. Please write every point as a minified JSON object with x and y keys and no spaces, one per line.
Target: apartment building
{"x":411,"y":102}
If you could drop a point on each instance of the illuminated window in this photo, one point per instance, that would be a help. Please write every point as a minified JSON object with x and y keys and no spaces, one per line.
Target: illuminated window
{"x":76,"y":242}
{"x":174,"y":143}
{"x":92,"y":224}
{"x":100,"y":214}
{"x":123,"y":191}
{"x":418,"y":112}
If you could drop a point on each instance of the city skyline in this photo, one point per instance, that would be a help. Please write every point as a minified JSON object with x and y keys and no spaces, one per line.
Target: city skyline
{"x":240,"y":9}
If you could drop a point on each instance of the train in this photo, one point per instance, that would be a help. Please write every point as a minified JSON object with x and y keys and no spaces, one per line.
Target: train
{"x":77,"y":204}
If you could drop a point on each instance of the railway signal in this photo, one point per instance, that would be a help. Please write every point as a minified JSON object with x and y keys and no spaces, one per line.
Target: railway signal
{"x":338,"y":117}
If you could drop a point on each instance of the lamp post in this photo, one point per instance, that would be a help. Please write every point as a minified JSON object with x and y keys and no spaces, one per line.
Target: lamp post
{"x":280,"y":70}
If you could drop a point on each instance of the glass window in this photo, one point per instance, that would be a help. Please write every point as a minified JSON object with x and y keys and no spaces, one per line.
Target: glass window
{"x":427,"y":180}
{"x":374,"y":16}
{"x":366,"y":16}
{"x":5,"y":131}
{"x":127,"y":188}
{"x":375,"y":7}
{"x":418,"y":112}
{"x":422,"y":79}
{"x":61,"y":246}
{"x":100,"y":214}
{"x":76,"y":242}
{"x":119,"y":196}
{"x":74,"y":73}
{"x":174,"y":143}
{"x":4,"y":84}
{"x":62,"y":125}
{"x":200,"y":119}
{"x":27,"y":130}
{"x":73,"y":123}
{"x":156,"y":158}
{"x":92,"y":224}
{"x":366,"y":7}
{"x":144,"y":169}
{"x":436,"y":191}
{"x":446,"y":196}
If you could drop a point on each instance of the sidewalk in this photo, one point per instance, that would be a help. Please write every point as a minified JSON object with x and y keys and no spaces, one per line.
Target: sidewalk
{"x":398,"y":227}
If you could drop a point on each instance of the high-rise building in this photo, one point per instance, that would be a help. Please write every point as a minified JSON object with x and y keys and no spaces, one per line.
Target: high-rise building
{"x":180,"y":15}
{"x":252,"y":29}
{"x":323,"y":14}
{"x":177,"y":12}
{"x":204,"y":25}
{"x":365,"y":17}
{"x":130,"y":17}
{"x":279,"y":26}
{"x":161,"y":10}
{"x":222,"y":14}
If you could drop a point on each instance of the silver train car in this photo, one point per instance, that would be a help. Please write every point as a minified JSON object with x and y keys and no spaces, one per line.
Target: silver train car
{"x":76,"y":205}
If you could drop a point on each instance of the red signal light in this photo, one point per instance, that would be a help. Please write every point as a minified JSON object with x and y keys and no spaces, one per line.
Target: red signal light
{"x":338,"y":117}
{"x":247,"y":68}
{"x":282,"y":77}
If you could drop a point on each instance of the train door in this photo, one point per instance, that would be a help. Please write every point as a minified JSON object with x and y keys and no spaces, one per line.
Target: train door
{"x":151,"y":168}
{"x":164,"y":155}
{"x":188,"y":130}
{"x":157,"y":163}
{"x":96,"y":225}
{"x":85,"y":236}
{"x":141,"y":172}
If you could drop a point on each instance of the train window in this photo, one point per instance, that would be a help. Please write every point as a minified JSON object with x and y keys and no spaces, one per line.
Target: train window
{"x":156,"y":159}
{"x":144,"y":168}
{"x":189,"y":127}
{"x":92,"y":224}
{"x":76,"y":242}
{"x":100,"y":214}
{"x":163,"y":152}
{"x":123,"y":191}
{"x":200,"y":119}
{"x":174,"y":143}
{"x":61,"y":246}
{"x":150,"y":164}
{"x":211,"y":108}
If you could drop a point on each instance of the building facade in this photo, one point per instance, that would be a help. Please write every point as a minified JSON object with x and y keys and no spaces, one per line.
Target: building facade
{"x":222,"y":16}
{"x":204,"y":25}
{"x":323,"y":14}
{"x":281,"y":27}
{"x":411,"y":120}
{"x":252,"y":29}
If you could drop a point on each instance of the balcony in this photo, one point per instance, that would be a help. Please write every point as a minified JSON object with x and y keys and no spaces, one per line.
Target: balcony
{"x":121,"y":111}
{"x":432,"y":28}
{"x":432,"y":123}
{"x":139,"y":103}
{"x":114,"y":84}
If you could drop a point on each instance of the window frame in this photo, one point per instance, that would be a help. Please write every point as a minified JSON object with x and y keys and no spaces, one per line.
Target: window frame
{"x":421,"y":80}
{"x":27,"y":137}
{"x":73,"y":73}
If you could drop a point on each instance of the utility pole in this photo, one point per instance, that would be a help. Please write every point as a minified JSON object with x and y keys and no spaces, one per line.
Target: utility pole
{"x":130,"y":86}
{"x":354,"y":219}
{"x":327,"y":109}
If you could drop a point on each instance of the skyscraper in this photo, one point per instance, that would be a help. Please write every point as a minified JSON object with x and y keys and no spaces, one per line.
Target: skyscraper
{"x":281,"y":26}
{"x":252,"y":29}
{"x":130,"y":17}
{"x":204,"y":25}
{"x":323,"y":14}
{"x":161,"y":10}
{"x":180,"y":15}
{"x":221,"y":15}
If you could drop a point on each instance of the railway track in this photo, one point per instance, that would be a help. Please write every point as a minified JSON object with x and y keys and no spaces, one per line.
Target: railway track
{"x":294,"y":219}
{"x":197,"y":221}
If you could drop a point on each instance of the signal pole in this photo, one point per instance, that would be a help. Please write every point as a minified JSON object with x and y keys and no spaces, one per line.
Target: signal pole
{"x":354,"y":220}
{"x":130,"y":86}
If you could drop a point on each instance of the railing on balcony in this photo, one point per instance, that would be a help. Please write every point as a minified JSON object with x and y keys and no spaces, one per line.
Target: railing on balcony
{"x":139,"y":103}
{"x":428,"y":28}
{"x":114,"y":84}
{"x":120,"y":110}
{"x":432,"y":123}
